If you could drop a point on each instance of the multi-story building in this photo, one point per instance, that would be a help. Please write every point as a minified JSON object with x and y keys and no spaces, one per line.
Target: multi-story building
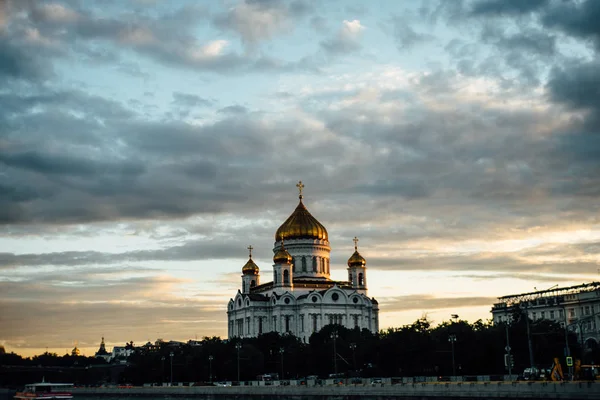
{"x":576,"y":306}
{"x":302,"y":298}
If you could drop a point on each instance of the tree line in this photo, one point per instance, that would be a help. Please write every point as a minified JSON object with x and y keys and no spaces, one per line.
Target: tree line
{"x":418,"y":349}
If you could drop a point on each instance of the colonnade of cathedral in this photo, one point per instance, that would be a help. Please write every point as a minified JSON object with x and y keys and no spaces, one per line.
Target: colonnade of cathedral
{"x":302,"y":325}
{"x":310,"y":264}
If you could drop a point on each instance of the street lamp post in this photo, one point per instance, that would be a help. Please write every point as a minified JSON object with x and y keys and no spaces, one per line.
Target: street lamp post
{"x":507,"y":348}
{"x":238,"y":346}
{"x":281,"y":351}
{"x":452,"y":339}
{"x":210,"y":358}
{"x":353,"y":347}
{"x":171,"y":367}
{"x":334,"y":336}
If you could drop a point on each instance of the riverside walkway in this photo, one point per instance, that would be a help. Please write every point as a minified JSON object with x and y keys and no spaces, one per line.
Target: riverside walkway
{"x":430,"y":391}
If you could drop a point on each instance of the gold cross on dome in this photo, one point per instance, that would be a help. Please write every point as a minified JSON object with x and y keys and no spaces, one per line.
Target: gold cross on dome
{"x":250,"y":249}
{"x":300,"y":186}
{"x":355,"y":240}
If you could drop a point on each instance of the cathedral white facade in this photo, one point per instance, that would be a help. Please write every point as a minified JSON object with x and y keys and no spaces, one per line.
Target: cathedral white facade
{"x":302,"y":298}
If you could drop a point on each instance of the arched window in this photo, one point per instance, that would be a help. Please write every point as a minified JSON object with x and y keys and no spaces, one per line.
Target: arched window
{"x":303,"y":264}
{"x":274,"y":277}
{"x":253,"y":283}
{"x":314,"y":267}
{"x":361,"y":279}
{"x":286,"y":276}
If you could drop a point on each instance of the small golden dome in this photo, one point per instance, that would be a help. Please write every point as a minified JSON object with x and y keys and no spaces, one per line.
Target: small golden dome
{"x":356,"y":260}
{"x":282,"y":256}
{"x":301,"y":224}
{"x":250,"y":268}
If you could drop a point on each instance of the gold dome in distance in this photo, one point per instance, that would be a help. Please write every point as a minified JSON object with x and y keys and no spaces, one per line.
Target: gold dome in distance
{"x":301,"y":224}
{"x":250,"y":268}
{"x":356,"y":260}
{"x":282,"y":256}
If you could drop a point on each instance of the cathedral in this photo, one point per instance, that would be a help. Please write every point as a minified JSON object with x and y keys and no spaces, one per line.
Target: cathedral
{"x":302,"y":298}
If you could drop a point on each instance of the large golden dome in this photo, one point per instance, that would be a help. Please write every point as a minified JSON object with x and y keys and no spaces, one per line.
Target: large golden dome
{"x":301,"y":225}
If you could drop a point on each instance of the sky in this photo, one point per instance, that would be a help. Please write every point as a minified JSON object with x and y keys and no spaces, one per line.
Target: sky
{"x":145,"y":144}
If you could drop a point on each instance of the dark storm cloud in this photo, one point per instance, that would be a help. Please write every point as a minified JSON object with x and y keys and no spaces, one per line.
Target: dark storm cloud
{"x":136,"y":163}
{"x":577,"y":86}
{"x":528,"y":40}
{"x":209,"y":249}
{"x":20,"y":62}
{"x":490,"y":262}
{"x":575,"y":18}
{"x":65,"y":164}
{"x":507,"y":7}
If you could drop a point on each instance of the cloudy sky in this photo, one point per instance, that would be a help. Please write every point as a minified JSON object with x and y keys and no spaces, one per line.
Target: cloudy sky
{"x":145,"y":144}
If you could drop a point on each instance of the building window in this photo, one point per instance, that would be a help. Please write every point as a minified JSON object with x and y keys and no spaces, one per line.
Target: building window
{"x":551,"y":314}
{"x":355,"y":300}
{"x":253,"y":283}
{"x":587,"y":310}
{"x":274,"y":276}
{"x":314,"y":299}
{"x":335,"y":297}
{"x":355,"y":320}
{"x":302,"y":323}
{"x":287,"y":323}
{"x":248,"y":325}
{"x":287,"y":300}
{"x":275,"y":323}
{"x":571,"y":313}
{"x":314,"y":322}
{"x":303,"y":264}
{"x":543,"y":315}
{"x":561,"y":314}
{"x":361,"y":279}
{"x":294,"y":264}
{"x":350,"y":277}
{"x":314,"y":266}
{"x":286,"y":276}
{"x":260,"y":327}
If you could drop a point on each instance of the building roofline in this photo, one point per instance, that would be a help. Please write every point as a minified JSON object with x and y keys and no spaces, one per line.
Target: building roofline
{"x":586,"y":287}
